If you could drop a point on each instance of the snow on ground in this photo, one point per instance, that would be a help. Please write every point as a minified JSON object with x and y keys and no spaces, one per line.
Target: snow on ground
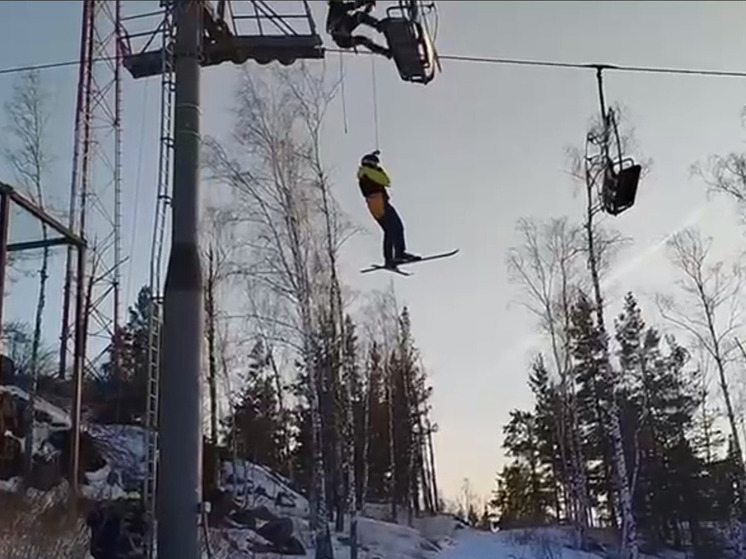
{"x":382,"y":540}
{"x":472,"y":544}
{"x":538,"y":543}
{"x":377,"y":540}
{"x":254,"y":486}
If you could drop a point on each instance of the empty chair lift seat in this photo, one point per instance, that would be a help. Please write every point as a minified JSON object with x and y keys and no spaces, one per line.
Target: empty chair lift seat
{"x":620,"y":186}
{"x":411,"y":49}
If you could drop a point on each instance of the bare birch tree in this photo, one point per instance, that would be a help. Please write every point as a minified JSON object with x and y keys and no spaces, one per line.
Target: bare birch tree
{"x":212,"y":342}
{"x":277,"y":200}
{"x":313,"y":96}
{"x":28,"y":114}
{"x":218,"y":248}
{"x":547,"y":264}
{"x":725,"y":174}
{"x":382,"y":318}
{"x":708,"y":308}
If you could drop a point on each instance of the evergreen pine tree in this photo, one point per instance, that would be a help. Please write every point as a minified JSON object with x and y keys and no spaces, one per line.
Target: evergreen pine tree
{"x":121,"y":396}
{"x":660,"y":402}
{"x":511,"y":500}
{"x":546,"y":417}
{"x":255,"y":426}
{"x":592,"y":399}
{"x":377,"y":456}
{"x":522,"y":442}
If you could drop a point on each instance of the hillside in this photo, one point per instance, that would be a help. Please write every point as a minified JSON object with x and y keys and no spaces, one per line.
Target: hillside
{"x":264,"y":517}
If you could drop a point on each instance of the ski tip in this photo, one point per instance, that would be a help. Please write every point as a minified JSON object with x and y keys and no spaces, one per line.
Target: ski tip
{"x":376,"y":267}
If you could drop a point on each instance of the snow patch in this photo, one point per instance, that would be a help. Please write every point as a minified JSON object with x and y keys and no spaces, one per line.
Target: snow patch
{"x":256,"y":486}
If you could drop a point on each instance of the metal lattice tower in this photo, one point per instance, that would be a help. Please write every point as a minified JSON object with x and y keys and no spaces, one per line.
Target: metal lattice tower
{"x":95,"y":201}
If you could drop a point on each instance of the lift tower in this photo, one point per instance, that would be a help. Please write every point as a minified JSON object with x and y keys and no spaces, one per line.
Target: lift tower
{"x":91,"y":296}
{"x":96,"y":189}
{"x":194,"y":33}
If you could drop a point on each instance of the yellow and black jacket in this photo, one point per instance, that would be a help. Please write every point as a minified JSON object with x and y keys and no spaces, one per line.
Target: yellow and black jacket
{"x":373,"y":181}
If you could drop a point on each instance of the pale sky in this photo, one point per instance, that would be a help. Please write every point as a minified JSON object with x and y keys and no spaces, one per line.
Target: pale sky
{"x":469,"y":154}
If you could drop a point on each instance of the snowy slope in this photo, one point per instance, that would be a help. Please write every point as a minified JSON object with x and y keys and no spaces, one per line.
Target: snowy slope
{"x":542,"y":543}
{"x":471,"y":544}
{"x":253,"y":486}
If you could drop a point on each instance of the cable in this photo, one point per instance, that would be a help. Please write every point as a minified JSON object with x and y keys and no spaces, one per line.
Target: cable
{"x":138,"y":184}
{"x":375,"y":98}
{"x":19,"y":69}
{"x":581,"y":66}
{"x":342,"y":86}
{"x":619,"y":68}
{"x":476,"y":60}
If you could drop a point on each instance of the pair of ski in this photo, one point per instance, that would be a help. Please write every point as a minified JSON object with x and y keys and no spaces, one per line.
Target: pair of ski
{"x":397,"y":270}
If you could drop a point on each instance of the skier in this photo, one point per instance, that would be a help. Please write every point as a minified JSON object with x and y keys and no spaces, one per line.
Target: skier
{"x":374,"y":180}
{"x":344,"y":17}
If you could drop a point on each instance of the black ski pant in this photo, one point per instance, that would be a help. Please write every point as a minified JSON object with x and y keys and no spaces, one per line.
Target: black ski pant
{"x":351,"y":41}
{"x":393,"y":233}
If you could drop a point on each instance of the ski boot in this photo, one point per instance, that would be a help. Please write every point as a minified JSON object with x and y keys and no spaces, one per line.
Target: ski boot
{"x":405,"y":257}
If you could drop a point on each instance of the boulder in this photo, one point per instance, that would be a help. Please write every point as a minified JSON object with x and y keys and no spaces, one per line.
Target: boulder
{"x":279,"y":531}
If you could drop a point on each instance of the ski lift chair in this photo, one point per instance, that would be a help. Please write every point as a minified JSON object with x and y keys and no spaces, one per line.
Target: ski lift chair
{"x":619,"y":188}
{"x":411,"y":47}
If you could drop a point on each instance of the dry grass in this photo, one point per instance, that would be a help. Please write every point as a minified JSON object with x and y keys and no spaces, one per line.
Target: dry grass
{"x":42,"y":526}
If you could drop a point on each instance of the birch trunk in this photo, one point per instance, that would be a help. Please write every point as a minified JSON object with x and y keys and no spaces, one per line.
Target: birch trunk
{"x":629,"y":539}
{"x":27,"y":114}
{"x":431,"y":452}
{"x":313,"y":100}
{"x":392,"y":447}
{"x":212,"y":362}
{"x":367,"y":410}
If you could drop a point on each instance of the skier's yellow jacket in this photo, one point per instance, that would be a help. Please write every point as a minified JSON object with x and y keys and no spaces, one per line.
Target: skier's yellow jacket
{"x":374,"y":180}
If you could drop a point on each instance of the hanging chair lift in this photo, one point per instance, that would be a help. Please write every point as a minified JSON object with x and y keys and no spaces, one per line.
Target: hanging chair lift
{"x":411,"y":46}
{"x":621,"y":175}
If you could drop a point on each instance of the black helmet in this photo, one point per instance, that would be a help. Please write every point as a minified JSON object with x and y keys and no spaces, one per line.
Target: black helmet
{"x":371,"y":158}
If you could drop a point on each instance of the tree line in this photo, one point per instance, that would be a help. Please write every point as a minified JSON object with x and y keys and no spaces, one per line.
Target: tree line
{"x":626,"y":429}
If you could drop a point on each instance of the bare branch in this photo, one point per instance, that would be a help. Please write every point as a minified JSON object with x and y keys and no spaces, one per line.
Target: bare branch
{"x":709,"y":306}
{"x":282,"y":220}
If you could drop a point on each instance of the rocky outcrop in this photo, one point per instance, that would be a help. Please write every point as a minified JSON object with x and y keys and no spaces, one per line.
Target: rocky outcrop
{"x":251,"y":502}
